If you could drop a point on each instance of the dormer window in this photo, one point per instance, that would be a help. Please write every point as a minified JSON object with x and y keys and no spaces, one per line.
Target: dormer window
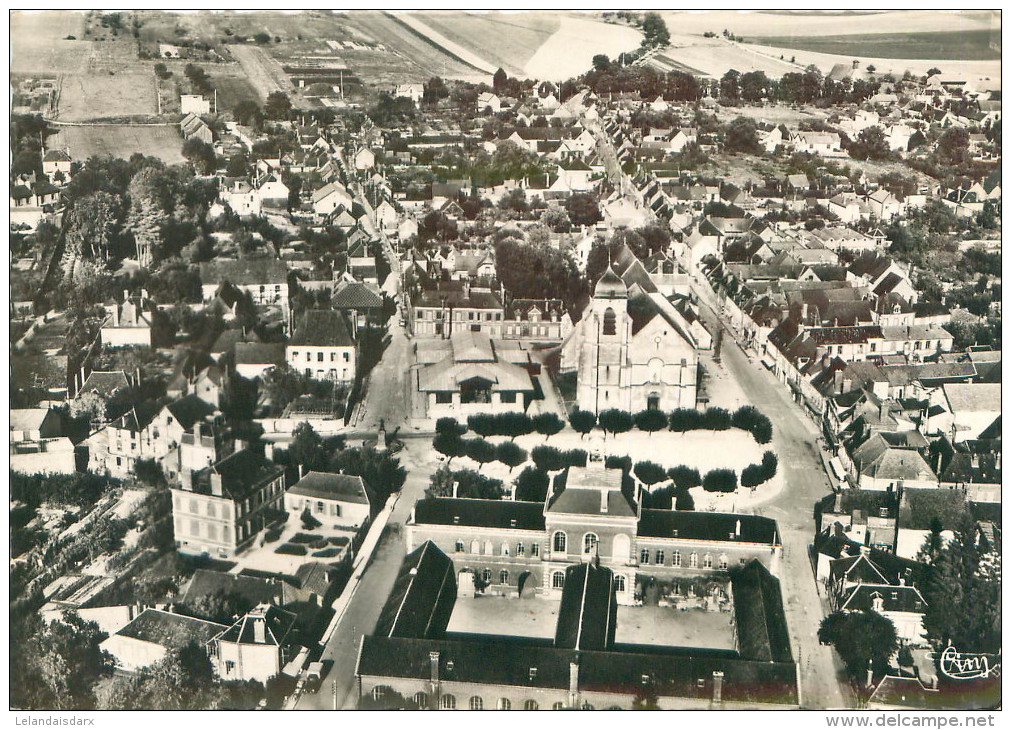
{"x":533,"y":673}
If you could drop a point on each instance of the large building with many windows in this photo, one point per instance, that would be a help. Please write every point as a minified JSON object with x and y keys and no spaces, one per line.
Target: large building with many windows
{"x":525,"y":548}
{"x":413,"y":661}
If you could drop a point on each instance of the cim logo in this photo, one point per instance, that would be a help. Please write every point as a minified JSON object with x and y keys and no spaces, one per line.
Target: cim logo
{"x":957,"y":665}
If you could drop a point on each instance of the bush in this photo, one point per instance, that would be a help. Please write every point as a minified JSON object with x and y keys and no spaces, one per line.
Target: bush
{"x":619,"y":462}
{"x":649,"y":472}
{"x":548,"y":424}
{"x":685,"y":477}
{"x":548,"y":458}
{"x":510,"y":454}
{"x":481,"y":451}
{"x":513,"y":424}
{"x":684,"y":419}
{"x":752,"y":475}
{"x":616,"y":421}
{"x":716,"y":419}
{"x":291,"y":549}
{"x":532,"y":485}
{"x":308,"y":521}
{"x":684,"y":500}
{"x":762,"y":430}
{"x":650,"y":420}
{"x":720,"y":480}
{"x":483,"y":424}
{"x":769,"y":463}
{"x":582,"y":421}
{"x":330,"y":552}
{"x":450,"y":426}
{"x":449,"y":445}
{"x":575,"y":457}
{"x":272,"y":535}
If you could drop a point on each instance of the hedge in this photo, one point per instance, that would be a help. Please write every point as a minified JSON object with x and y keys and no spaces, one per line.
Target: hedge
{"x":720,"y":480}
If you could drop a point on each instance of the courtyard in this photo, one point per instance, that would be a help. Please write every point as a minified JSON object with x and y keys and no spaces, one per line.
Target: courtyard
{"x":646,"y":625}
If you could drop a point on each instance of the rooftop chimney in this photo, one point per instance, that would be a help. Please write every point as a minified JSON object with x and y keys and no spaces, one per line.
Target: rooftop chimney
{"x":837,"y":507}
{"x":717,"y":688}
{"x":260,"y":630}
{"x":216,"y":488}
{"x":433,"y":664}
{"x":574,"y":684}
{"x":603,"y":501}
{"x":186,"y":479}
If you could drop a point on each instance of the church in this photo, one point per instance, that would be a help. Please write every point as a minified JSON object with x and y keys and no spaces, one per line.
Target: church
{"x":632,"y":349}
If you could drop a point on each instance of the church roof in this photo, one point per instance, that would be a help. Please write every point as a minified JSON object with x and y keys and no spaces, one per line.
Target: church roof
{"x":610,"y":286}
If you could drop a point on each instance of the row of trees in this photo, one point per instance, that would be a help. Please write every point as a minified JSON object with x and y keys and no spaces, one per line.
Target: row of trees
{"x":502,"y":424}
{"x":615,"y":421}
{"x":482,"y":451}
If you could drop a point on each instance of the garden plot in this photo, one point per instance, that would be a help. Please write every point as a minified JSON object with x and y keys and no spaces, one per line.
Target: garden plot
{"x":123,"y":140}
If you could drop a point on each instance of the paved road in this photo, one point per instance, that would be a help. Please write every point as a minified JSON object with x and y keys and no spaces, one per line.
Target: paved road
{"x":805,"y":482}
{"x":375,"y":586}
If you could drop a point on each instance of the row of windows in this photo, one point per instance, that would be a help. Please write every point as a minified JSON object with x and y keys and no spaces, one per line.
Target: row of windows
{"x":559,"y":542}
{"x":658,"y":558}
{"x":209,"y":530}
{"x":471,"y":316}
{"x":489,"y":548}
{"x":211,"y":509}
{"x":448,"y":701}
{"x":316,"y":506}
{"x":320,"y":356}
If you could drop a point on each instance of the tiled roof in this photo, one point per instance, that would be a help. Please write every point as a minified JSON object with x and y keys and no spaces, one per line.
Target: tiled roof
{"x":343,"y":487}
{"x":758,"y":615}
{"x":322,"y":328}
{"x":171,"y":630}
{"x":277,"y":624}
{"x":588,"y":614}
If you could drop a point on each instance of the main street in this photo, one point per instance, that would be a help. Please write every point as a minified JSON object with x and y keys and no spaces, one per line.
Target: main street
{"x":794,"y":439}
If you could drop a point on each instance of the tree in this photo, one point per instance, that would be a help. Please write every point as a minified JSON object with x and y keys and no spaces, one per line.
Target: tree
{"x":755,"y":85}
{"x":649,"y":472}
{"x":864,"y":639}
{"x":483,"y":424}
{"x":61,"y":664}
{"x":161,"y":71}
{"x":481,"y":451}
{"x":685,"y":477}
{"x":498,"y":81}
{"x":510,"y":454}
{"x":450,"y":426}
{"x":601,"y":62}
{"x":654,"y":31}
{"x":306,"y":448}
{"x":616,"y":421}
{"x":720,"y":480}
{"x":871,"y":144}
{"x":762,"y":430}
{"x":685,"y":419}
{"x":449,"y":445}
{"x":513,"y":424}
{"x":583,"y":209}
{"x":469,"y":484}
{"x":730,"y":85}
{"x":277,"y":106}
{"x":201,"y":154}
{"x":93,"y":225}
{"x":715,"y":419}
{"x":262,"y":37}
{"x":532,"y":485}
{"x":650,"y":420}
{"x":582,"y":421}
{"x":150,"y":472}
{"x":752,"y":475}
{"x":962,"y":592}
{"x":741,"y":135}
{"x":548,"y":423}
{"x":248,"y":113}
{"x":683,"y":500}
{"x":238,"y":165}
{"x":548,"y":458}
{"x":90,"y":405}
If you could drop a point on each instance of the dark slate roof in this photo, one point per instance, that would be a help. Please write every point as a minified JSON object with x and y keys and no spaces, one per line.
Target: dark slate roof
{"x":208,"y":582}
{"x":355,"y":295}
{"x":717,"y":526}
{"x":581,"y":494}
{"x":677,"y":673}
{"x":588,"y":614}
{"x":919,"y":507}
{"x":171,"y":630}
{"x":342,"y":487}
{"x":241,"y":473}
{"x":421,"y":602}
{"x":322,"y":328}
{"x":895,"y":598}
{"x":278,"y":624}
{"x":259,"y":353}
{"x":758,"y":613}
{"x":105,"y":383}
{"x":480,"y":513}
{"x":190,"y":409}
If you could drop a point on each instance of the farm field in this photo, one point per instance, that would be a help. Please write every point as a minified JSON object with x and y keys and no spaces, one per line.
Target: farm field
{"x":811,"y":23}
{"x":263,"y":72}
{"x":232,"y":87}
{"x":122,"y":94}
{"x":715,"y":56}
{"x":570,"y":50}
{"x":38,"y":45}
{"x":509,"y":40}
{"x":120,"y":140}
{"x":418,"y":59}
{"x":966,"y":45}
